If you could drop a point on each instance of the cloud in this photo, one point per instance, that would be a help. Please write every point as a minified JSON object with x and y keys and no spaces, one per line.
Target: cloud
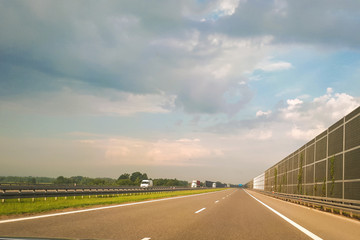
{"x":312,"y":117}
{"x":294,"y":22}
{"x":109,"y":102}
{"x":162,"y":152}
{"x":213,"y":10}
{"x":223,"y":8}
{"x":94,"y":47}
{"x":277,"y":66}
{"x":326,"y":108}
{"x":307,"y":134}
{"x":193,"y":59}
{"x":262,"y":113}
{"x":299,"y":119}
{"x":160,"y":47}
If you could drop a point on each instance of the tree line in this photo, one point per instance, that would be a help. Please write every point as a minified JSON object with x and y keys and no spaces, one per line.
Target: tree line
{"x":125,"y":179}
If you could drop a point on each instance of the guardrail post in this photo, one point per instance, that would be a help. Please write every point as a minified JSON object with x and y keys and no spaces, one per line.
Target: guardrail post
{"x":3,"y":200}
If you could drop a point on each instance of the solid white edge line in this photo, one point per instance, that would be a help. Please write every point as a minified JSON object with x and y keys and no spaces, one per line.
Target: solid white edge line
{"x":200,"y":210}
{"x":304,"y":230}
{"x":100,"y":208}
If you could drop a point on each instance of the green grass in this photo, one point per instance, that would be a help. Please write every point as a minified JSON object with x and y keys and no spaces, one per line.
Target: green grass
{"x":27,"y":205}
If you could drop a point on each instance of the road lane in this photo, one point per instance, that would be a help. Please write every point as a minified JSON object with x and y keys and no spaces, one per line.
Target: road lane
{"x":230,"y":214}
{"x":325,"y":225}
{"x":130,"y":222}
{"x":239,"y":217}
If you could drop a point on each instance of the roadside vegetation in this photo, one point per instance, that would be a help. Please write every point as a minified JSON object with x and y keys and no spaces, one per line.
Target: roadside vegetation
{"x":25,"y":206}
{"x":124,"y":179}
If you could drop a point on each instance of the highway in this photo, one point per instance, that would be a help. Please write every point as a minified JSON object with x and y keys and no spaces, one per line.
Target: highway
{"x":229,"y":214}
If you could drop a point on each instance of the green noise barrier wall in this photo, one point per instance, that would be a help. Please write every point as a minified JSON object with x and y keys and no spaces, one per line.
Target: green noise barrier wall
{"x":327,"y":166}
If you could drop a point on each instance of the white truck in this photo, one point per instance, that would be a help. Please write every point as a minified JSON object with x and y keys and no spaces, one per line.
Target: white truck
{"x":195,"y":184}
{"x":146,"y":183}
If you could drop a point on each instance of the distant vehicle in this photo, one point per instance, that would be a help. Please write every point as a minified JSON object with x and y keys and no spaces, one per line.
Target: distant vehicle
{"x":195,"y":184}
{"x":208,"y":184}
{"x":146,"y":183}
{"x":214,"y":185}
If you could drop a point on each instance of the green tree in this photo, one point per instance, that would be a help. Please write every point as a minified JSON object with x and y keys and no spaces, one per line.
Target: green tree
{"x":124,"y":182}
{"x":77,"y":179}
{"x":32,"y":180}
{"x":137,"y":177}
{"x":124,"y":176}
{"x":63,"y":180}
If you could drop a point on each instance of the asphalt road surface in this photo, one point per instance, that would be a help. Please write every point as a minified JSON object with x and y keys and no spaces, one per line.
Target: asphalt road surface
{"x":230,"y":214}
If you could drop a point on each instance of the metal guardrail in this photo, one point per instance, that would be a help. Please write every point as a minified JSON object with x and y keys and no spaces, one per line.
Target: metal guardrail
{"x":36,"y":191}
{"x":332,"y":204}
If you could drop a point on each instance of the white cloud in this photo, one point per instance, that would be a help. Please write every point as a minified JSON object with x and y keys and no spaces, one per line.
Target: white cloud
{"x":310,"y":117}
{"x":218,"y":9}
{"x":275,"y":66}
{"x":262,"y":113}
{"x":181,"y":152}
{"x":110,"y":102}
{"x":298,"y":121}
{"x":293,"y":103}
{"x":210,"y":66}
{"x":329,"y":90}
{"x":307,"y":134}
{"x":227,"y":7}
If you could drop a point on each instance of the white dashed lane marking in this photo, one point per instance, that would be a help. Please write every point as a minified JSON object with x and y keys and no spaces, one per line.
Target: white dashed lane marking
{"x":200,"y":210}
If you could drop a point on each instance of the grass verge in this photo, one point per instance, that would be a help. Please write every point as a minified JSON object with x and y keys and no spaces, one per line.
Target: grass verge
{"x":27,"y":205}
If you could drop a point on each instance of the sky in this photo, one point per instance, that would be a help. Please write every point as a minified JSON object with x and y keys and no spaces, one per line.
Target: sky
{"x":211,"y":90}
